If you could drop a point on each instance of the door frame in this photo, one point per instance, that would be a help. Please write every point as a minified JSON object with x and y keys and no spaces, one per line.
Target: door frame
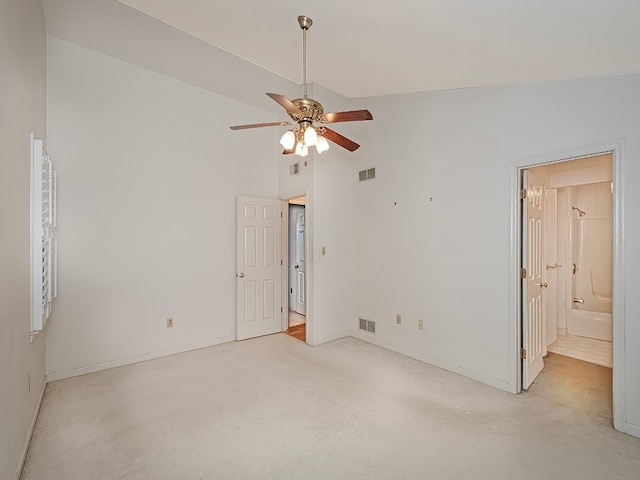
{"x":308,"y":259}
{"x":617,"y":148}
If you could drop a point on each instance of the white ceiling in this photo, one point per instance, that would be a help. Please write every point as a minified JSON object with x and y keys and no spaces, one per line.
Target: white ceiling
{"x":361,"y":48}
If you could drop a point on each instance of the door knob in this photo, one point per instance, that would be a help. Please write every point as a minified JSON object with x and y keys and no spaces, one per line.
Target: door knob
{"x":240,"y":275}
{"x":297,"y":266}
{"x":543,"y":285}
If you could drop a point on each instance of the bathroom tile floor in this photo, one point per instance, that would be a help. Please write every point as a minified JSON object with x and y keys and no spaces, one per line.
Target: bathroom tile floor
{"x":589,"y":350}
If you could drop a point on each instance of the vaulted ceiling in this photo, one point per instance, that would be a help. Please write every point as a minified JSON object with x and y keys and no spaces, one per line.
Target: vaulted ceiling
{"x":363,"y":48}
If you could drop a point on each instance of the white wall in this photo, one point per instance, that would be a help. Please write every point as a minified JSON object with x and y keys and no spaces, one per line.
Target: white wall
{"x":148,"y":175}
{"x":22,"y":110}
{"x":432,"y":233}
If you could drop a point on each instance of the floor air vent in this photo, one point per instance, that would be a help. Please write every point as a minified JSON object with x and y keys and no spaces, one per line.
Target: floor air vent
{"x":368,"y":325}
{"x":368,"y":174}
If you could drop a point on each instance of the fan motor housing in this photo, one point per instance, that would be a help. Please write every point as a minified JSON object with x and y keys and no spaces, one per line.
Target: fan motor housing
{"x":311,"y":109}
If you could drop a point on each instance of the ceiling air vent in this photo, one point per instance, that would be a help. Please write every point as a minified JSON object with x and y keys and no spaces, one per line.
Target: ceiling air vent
{"x":368,"y":174}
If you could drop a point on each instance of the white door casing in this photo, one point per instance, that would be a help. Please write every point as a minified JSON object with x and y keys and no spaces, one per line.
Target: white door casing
{"x":533,"y":284}
{"x":300,"y":266}
{"x":259,"y":267}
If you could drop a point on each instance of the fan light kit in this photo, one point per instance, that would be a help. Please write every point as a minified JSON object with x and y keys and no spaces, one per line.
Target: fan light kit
{"x":306,"y":112}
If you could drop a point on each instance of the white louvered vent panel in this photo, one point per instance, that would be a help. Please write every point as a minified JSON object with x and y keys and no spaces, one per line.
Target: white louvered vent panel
{"x":368,"y":174}
{"x":43,"y":244}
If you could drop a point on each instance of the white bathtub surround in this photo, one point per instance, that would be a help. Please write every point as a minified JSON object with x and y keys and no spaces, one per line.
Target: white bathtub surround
{"x":591,"y":261}
{"x":589,"y":350}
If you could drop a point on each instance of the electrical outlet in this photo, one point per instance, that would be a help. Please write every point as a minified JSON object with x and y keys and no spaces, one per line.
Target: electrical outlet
{"x":420,"y":324}
{"x":170,"y":322}
{"x":398,"y":319}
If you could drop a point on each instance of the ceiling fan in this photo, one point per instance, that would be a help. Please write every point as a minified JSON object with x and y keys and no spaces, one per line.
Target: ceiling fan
{"x":308,"y":114}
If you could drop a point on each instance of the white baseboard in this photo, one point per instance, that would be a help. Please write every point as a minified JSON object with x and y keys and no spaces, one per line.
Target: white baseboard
{"x":633,"y":430}
{"x":330,"y":338}
{"x":32,"y":426}
{"x":121,"y":362}
{"x":494,"y":382}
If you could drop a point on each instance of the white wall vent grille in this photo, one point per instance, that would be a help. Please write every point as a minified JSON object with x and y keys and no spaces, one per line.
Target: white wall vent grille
{"x":294,"y":169}
{"x":368,"y":174}
{"x":367,"y":325}
{"x":44,"y":247}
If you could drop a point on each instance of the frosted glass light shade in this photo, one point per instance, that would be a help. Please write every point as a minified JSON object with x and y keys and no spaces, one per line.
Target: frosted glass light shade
{"x":288,"y":140}
{"x":310,"y":136}
{"x":322,"y":145}
{"x":301,"y":149}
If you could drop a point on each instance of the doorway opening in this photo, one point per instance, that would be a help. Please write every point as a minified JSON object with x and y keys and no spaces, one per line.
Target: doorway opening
{"x":296,"y":275}
{"x":567,"y":246}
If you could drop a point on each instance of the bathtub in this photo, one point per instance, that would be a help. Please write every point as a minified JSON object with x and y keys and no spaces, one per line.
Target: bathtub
{"x":585,"y":323}
{"x":590,"y":314}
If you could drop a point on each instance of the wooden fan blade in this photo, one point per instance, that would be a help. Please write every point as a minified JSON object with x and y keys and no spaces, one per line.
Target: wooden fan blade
{"x":351,"y":116}
{"x":289,"y":152}
{"x":286,"y":103}
{"x":258,"y":125}
{"x":338,"y":139}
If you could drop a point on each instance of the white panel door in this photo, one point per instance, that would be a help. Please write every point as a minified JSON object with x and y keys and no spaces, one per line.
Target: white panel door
{"x":299,"y":267}
{"x":533,"y":285}
{"x":259,"y":264}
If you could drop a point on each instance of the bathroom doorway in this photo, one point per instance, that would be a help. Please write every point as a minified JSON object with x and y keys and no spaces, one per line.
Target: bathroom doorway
{"x":296,"y":234}
{"x":519,"y":330}
{"x":567,"y":286}
{"x":577,"y":267}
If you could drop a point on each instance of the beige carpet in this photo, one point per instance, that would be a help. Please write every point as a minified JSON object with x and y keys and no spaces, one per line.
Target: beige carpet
{"x":275,"y":408}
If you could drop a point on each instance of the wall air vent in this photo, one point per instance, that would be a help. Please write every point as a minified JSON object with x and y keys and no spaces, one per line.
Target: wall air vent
{"x":368,"y":174}
{"x":367,"y":325}
{"x":294,"y":169}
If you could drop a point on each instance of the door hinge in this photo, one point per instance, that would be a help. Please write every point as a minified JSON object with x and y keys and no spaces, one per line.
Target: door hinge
{"x":281,"y":263}
{"x":280,"y":214}
{"x":523,"y":354}
{"x":281,"y":310}
{"x":523,"y":273}
{"x":523,"y":194}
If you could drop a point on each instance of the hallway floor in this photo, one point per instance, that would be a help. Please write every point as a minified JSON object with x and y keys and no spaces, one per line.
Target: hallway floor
{"x":296,"y":318}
